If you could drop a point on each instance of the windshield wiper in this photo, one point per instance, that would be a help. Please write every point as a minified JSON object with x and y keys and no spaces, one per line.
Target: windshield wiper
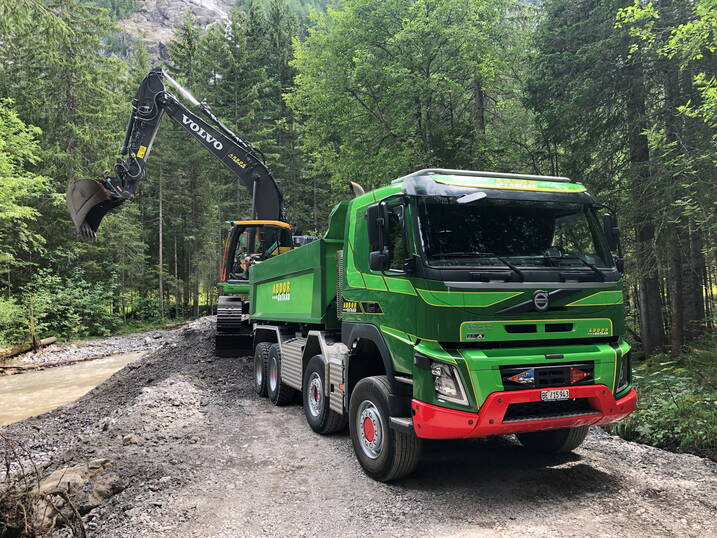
{"x":464,"y":254}
{"x":594,"y":269}
{"x":483,"y":255}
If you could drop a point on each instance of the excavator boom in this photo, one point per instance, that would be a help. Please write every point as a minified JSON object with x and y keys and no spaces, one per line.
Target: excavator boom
{"x":89,"y":200}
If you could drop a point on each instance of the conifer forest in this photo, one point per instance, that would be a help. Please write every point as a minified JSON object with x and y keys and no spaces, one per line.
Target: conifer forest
{"x":618,"y":94}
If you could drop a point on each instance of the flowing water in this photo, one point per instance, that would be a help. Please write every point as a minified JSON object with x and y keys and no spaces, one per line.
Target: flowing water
{"x":37,"y":392}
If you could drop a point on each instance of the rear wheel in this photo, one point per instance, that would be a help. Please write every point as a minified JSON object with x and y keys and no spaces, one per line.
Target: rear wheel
{"x":316,"y":404}
{"x":384,"y":453}
{"x":554,"y":441}
{"x":261,"y":359}
{"x":279,"y":393}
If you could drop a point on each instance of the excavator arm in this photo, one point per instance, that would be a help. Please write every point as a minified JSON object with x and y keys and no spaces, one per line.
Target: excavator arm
{"x":89,"y":200}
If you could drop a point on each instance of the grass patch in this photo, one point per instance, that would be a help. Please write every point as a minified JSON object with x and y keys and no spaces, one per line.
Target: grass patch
{"x":144,"y":326}
{"x":677,"y":401}
{"x":132,"y":327}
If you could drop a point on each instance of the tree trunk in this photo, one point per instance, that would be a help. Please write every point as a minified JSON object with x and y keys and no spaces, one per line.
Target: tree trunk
{"x":176,"y":279}
{"x":693,"y":300}
{"x":652,"y":330}
{"x":679,"y":239}
{"x":676,"y":293}
{"x":479,"y":105}
{"x":694,"y":266}
{"x":160,"y":265}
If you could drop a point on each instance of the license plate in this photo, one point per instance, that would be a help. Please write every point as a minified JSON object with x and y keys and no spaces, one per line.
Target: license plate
{"x":554,"y":395}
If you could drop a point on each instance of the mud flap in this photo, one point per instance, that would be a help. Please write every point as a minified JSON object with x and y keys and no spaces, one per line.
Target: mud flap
{"x":88,"y":201}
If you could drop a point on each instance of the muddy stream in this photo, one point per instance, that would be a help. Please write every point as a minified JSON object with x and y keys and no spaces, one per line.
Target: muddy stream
{"x":33,"y":393}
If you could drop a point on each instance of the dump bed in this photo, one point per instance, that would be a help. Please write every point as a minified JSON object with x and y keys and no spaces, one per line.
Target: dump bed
{"x":298,"y":286}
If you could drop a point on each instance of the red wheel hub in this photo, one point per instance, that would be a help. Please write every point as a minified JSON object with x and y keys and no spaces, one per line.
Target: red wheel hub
{"x":315,"y":393}
{"x":368,"y":430}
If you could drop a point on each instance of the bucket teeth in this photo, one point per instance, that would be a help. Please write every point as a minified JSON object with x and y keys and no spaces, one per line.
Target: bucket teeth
{"x":86,"y":233}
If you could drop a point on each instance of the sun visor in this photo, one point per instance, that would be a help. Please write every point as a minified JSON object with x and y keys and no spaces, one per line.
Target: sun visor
{"x":455,"y":186}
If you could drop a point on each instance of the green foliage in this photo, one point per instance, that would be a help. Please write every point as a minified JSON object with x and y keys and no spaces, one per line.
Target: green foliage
{"x":13,"y":322}
{"x":19,"y":188}
{"x":144,"y":310}
{"x":387,"y":87}
{"x":71,"y":307}
{"x":62,"y":82}
{"x":677,"y":401}
{"x":65,"y":307}
{"x":118,"y":9}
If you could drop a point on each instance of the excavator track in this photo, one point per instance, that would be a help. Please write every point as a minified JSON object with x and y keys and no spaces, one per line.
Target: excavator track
{"x":233,"y":331}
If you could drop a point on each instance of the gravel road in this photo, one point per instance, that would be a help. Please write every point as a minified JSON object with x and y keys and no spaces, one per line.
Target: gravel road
{"x":187,"y":449}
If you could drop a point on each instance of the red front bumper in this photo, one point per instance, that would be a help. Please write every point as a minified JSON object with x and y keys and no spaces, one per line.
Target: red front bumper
{"x":434,"y":422}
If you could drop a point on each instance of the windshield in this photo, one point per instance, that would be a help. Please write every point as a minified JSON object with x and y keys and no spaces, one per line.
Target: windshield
{"x":510,"y":232}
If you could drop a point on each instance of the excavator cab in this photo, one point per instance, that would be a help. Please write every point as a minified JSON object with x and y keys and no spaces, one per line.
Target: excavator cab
{"x":248,"y":242}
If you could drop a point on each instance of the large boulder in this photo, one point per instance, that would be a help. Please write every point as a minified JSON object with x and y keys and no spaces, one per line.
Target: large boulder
{"x":86,"y":485}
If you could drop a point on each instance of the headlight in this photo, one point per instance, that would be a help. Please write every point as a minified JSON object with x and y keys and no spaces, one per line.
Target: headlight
{"x":447,"y":383}
{"x":624,"y":375}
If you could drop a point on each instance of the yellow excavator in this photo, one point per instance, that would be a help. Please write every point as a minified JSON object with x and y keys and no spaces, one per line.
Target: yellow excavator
{"x":247,"y":242}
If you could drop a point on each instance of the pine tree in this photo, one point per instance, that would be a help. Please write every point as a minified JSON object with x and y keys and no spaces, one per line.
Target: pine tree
{"x":19,"y":187}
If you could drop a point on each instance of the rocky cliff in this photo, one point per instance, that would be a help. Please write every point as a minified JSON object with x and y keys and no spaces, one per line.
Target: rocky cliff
{"x":156,"y":20}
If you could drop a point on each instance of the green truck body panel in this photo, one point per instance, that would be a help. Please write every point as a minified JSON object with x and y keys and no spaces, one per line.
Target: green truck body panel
{"x":298,"y":286}
{"x":435,"y":319}
{"x":230,"y":288}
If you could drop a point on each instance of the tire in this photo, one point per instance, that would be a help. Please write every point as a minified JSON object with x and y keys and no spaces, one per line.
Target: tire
{"x":279,"y":393}
{"x":554,"y":441}
{"x":316,"y":405}
{"x":261,"y":360}
{"x":384,"y":453}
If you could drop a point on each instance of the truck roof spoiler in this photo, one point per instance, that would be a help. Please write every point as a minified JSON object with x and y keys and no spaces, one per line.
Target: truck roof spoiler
{"x":478,"y":173}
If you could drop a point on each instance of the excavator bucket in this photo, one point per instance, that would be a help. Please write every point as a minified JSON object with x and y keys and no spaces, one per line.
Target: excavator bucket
{"x":88,"y":202}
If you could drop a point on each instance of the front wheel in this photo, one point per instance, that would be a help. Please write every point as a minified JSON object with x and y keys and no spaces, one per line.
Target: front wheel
{"x":554,"y":441}
{"x":384,"y":453}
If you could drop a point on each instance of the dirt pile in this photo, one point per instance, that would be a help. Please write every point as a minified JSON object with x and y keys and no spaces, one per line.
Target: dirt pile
{"x":134,"y":423}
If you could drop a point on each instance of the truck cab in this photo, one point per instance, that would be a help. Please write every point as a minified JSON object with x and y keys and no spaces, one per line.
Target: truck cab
{"x":454,"y":304}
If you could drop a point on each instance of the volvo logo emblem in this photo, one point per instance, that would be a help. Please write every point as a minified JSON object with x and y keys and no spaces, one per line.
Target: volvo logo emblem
{"x":541,"y":300}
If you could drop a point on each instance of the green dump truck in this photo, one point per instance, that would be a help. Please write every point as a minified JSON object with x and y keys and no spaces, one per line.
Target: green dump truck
{"x":449,"y":304}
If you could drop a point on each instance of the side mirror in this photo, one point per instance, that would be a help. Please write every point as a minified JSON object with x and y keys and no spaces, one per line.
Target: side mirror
{"x":377,"y":222}
{"x":612,"y":232}
{"x":379,"y":260}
